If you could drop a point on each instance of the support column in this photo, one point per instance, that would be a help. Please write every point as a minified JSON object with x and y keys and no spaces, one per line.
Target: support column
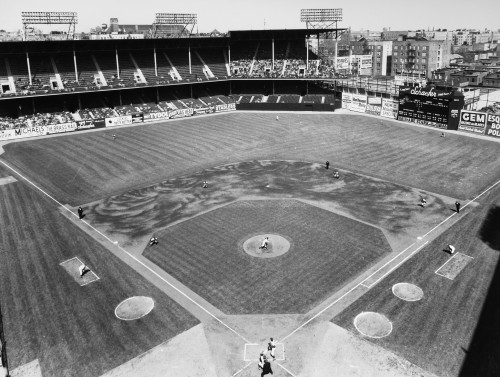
{"x":29,"y":68}
{"x":117,"y":66}
{"x":189,"y":56}
{"x":156,"y":66}
{"x":307,"y":52}
{"x":76,"y":68}
{"x":272,"y":54}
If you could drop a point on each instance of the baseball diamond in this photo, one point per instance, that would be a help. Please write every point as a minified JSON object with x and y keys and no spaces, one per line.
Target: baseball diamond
{"x":205,"y":294}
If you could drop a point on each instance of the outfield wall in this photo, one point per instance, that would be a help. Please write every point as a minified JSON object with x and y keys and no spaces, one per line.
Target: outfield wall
{"x":480,"y":123}
{"x":26,"y":132}
{"x":263,"y":106}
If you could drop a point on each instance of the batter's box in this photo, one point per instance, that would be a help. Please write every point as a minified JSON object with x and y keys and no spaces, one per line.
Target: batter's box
{"x":252,"y":351}
{"x":452,"y":267}
{"x":72,"y":268}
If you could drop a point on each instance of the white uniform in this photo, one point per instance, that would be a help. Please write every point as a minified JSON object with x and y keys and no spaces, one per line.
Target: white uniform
{"x":264,"y":243}
{"x":262,"y":360}
{"x":451,"y":249}
{"x":82,"y":269}
{"x":272,"y":344}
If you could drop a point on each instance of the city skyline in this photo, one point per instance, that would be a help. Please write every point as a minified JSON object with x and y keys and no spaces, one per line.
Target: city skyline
{"x":260,"y":14}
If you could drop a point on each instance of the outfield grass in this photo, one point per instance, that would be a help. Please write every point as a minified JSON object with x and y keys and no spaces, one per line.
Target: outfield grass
{"x":84,"y":167}
{"x":456,"y":323}
{"x":206,"y":254}
{"x":71,"y":330}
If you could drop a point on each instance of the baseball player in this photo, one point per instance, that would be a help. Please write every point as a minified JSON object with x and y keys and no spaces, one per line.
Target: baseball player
{"x":264,"y":243}
{"x":83,"y":270}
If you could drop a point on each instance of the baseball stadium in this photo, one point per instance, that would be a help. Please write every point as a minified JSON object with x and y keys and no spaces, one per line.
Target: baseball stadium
{"x":382,"y":228}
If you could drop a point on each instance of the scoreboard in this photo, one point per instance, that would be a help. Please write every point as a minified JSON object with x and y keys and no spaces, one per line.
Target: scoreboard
{"x":428,"y":106}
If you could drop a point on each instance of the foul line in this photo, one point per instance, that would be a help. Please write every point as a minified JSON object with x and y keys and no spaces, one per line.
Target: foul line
{"x":385,"y":264}
{"x":286,"y":370}
{"x":464,"y":206}
{"x":130,"y":255}
{"x":396,"y":266}
{"x":361,"y":284}
{"x":242,"y":369}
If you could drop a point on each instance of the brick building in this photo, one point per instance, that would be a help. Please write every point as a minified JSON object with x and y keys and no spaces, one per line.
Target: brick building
{"x":382,"y":57}
{"x":420,"y":56}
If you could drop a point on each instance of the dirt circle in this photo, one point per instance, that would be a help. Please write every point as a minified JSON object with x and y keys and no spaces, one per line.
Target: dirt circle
{"x":134,"y":308}
{"x":373,"y":325}
{"x":276,"y":246}
{"x":407,"y":291}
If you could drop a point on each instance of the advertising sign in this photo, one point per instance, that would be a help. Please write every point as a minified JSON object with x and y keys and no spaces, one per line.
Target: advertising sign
{"x":346,"y":101}
{"x":119,"y":121}
{"x":375,"y":100}
{"x":180,"y":113}
{"x":389,"y":108}
{"x":137,"y":118}
{"x":83,"y":124}
{"x":24,"y":132}
{"x":493,"y":125}
{"x":359,"y":103}
{"x":342,"y":62}
{"x":472,"y":121}
{"x":59,"y":128}
{"x":373,"y":109}
{"x":149,"y":117}
{"x":225,"y":107}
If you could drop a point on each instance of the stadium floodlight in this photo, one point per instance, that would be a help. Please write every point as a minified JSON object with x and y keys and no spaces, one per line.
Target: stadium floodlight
{"x":49,"y":18}
{"x":321,"y":15}
{"x":183,"y":19}
{"x":176,"y":18}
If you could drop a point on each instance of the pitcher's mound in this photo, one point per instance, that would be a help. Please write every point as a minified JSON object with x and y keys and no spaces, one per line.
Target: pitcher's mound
{"x":374,"y":325}
{"x":276,"y":246}
{"x":407,"y":292}
{"x":134,"y":308}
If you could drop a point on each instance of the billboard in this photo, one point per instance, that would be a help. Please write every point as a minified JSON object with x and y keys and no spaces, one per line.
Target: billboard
{"x":389,"y":108}
{"x":118,"y":121}
{"x":180,"y":113}
{"x":346,"y":101}
{"x":342,"y":62}
{"x":359,"y":103}
{"x":84,"y":124}
{"x":472,"y":121}
{"x":492,"y":125}
{"x":373,"y":109}
{"x":24,"y":132}
{"x":150,"y":117}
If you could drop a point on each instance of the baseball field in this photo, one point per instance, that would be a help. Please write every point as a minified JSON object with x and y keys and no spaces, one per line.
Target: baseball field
{"x":356,"y":280}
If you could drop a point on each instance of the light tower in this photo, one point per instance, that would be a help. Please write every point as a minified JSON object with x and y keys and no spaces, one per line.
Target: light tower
{"x":49,"y":18}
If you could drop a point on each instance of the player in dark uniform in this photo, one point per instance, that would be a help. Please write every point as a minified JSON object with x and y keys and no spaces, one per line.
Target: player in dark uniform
{"x":80,"y":212}
{"x":327,"y":164}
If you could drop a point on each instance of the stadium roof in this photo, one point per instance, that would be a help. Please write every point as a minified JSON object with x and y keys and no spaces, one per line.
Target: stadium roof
{"x":278,"y":33}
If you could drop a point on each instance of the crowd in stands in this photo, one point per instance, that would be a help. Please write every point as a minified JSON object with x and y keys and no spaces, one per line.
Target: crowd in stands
{"x":283,"y":68}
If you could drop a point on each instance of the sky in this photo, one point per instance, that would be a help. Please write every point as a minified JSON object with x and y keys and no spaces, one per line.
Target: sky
{"x":268,"y":14}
